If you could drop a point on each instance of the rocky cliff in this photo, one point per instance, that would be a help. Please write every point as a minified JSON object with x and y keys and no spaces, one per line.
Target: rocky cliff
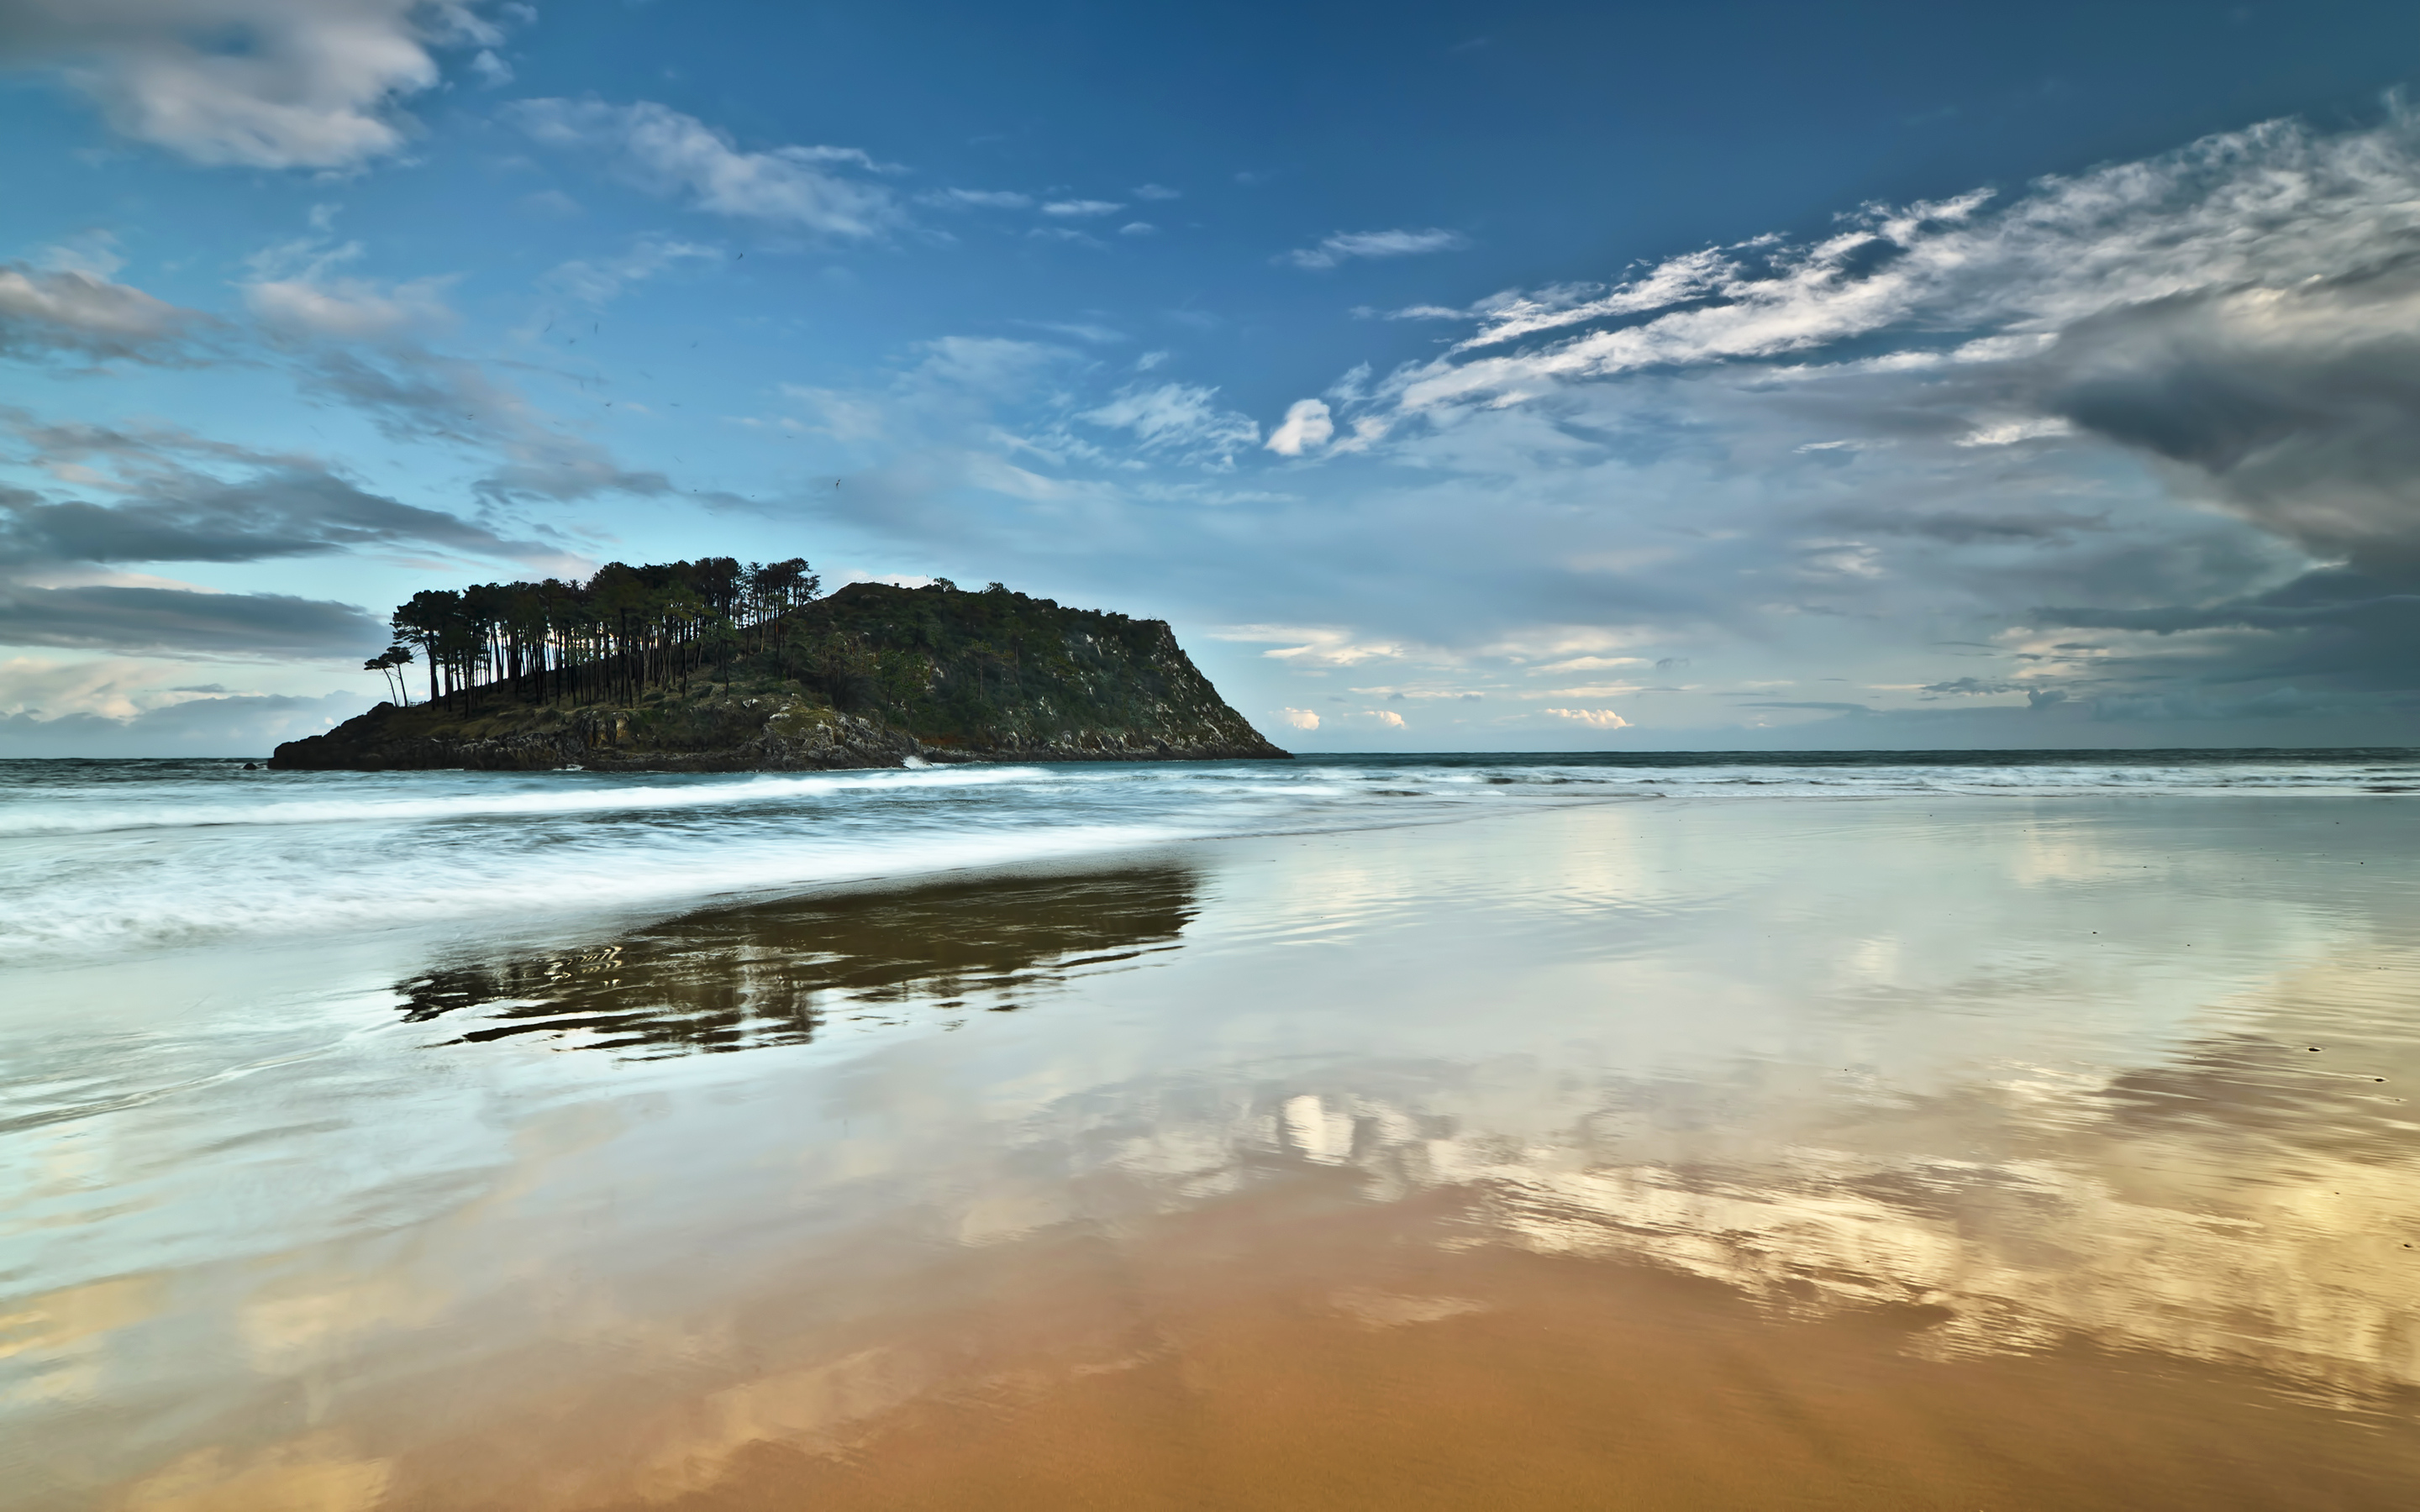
{"x":872,"y":676}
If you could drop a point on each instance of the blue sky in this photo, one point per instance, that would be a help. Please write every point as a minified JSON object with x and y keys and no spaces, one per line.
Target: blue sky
{"x":1451,"y":377}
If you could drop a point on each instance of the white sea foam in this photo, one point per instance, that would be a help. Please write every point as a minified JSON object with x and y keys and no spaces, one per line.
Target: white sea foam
{"x":104,"y":857}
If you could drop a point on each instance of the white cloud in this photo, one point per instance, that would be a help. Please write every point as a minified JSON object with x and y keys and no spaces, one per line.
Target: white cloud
{"x":668,"y":153}
{"x":94,"y":253}
{"x":1156,"y":192}
{"x":1305,"y":427}
{"x":351,"y":309}
{"x":1181,"y":419}
{"x":985,"y":199}
{"x":1299,"y":718}
{"x":70,"y":311}
{"x":2010,"y":432}
{"x":1081,"y":209}
{"x":2271,"y":205}
{"x":1083,"y":330}
{"x":492,"y":70}
{"x":1315,"y":645}
{"x":257,"y":84}
{"x":294,"y":292}
{"x":596,"y":283}
{"x":1386,"y":717}
{"x":1138,"y":228}
{"x":1594,"y":718}
{"x":1345,"y":245}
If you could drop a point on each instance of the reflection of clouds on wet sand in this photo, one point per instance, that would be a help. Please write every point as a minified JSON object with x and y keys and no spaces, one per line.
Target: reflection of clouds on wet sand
{"x":2023,"y":1082}
{"x":2232,"y":1204}
{"x":314,"y":1474}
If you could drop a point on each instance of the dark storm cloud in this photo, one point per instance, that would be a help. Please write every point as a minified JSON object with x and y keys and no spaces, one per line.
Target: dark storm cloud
{"x":2300,"y":404}
{"x":181,"y":622}
{"x":2332,"y":627}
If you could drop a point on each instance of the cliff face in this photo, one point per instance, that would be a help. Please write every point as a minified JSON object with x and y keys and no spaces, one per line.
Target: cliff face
{"x":871,"y":676}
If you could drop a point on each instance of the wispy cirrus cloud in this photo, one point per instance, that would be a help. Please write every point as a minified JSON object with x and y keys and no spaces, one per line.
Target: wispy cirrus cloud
{"x":1181,"y":420}
{"x":1344,"y":246}
{"x":601,"y":279}
{"x":818,"y":190}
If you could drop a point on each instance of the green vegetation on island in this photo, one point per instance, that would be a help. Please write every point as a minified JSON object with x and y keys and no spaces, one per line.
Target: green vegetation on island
{"x":713,"y":665}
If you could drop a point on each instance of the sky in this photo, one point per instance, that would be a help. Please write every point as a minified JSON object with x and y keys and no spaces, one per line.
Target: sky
{"x":1450,"y":376}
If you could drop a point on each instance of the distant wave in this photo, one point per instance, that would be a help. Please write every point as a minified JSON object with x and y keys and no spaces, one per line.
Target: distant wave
{"x":104,"y":857}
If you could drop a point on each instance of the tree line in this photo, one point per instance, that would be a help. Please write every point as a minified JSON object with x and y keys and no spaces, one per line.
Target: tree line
{"x":622,"y":631}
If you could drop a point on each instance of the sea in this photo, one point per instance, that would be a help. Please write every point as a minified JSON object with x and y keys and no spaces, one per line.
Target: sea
{"x":102,"y":857}
{"x":1696,"y":1129}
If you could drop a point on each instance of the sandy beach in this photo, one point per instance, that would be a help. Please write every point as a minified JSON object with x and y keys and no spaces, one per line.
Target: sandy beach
{"x":1901,"y":1151}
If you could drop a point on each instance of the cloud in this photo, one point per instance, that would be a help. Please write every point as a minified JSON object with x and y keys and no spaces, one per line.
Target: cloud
{"x":1345,"y":245}
{"x":351,"y":309}
{"x":1315,"y":645}
{"x":1156,"y":192}
{"x":1299,"y":718}
{"x":602,"y":281}
{"x":412,"y":394}
{"x":249,"y":725}
{"x":1959,"y":527}
{"x":2244,"y":215}
{"x":1138,"y":228}
{"x":667,"y":153}
{"x":69,"y":312}
{"x":255,"y":84}
{"x":1081,"y":331}
{"x":286,"y":509}
{"x":2178,"y":398}
{"x":1305,"y":427}
{"x":2300,"y":403}
{"x":185,"y":623}
{"x":1594,"y":718}
{"x":1180,"y":420}
{"x":988,"y":199}
{"x":1081,"y":209}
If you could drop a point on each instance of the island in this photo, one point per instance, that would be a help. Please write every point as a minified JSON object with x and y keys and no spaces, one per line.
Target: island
{"x":711,"y":666}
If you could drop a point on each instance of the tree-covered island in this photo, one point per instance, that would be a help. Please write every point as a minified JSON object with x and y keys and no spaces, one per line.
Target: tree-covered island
{"x":713,"y":665}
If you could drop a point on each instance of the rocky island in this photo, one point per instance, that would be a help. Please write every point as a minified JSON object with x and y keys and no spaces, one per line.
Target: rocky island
{"x":713,"y":667}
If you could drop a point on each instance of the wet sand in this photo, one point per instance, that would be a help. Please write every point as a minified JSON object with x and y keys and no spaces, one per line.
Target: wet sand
{"x":1973,"y":1153}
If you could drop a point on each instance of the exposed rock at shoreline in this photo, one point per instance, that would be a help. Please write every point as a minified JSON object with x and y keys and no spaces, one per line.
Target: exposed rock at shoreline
{"x":872,"y":676}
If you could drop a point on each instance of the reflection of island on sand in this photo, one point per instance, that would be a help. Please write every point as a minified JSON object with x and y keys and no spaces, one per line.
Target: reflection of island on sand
{"x":775,"y":973}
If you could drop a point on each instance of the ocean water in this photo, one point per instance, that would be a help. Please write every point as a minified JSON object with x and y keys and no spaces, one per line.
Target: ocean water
{"x":99,"y":858}
{"x":1837,"y":1131}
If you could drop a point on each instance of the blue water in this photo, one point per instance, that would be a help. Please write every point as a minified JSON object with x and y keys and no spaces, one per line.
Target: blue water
{"x":99,"y":859}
